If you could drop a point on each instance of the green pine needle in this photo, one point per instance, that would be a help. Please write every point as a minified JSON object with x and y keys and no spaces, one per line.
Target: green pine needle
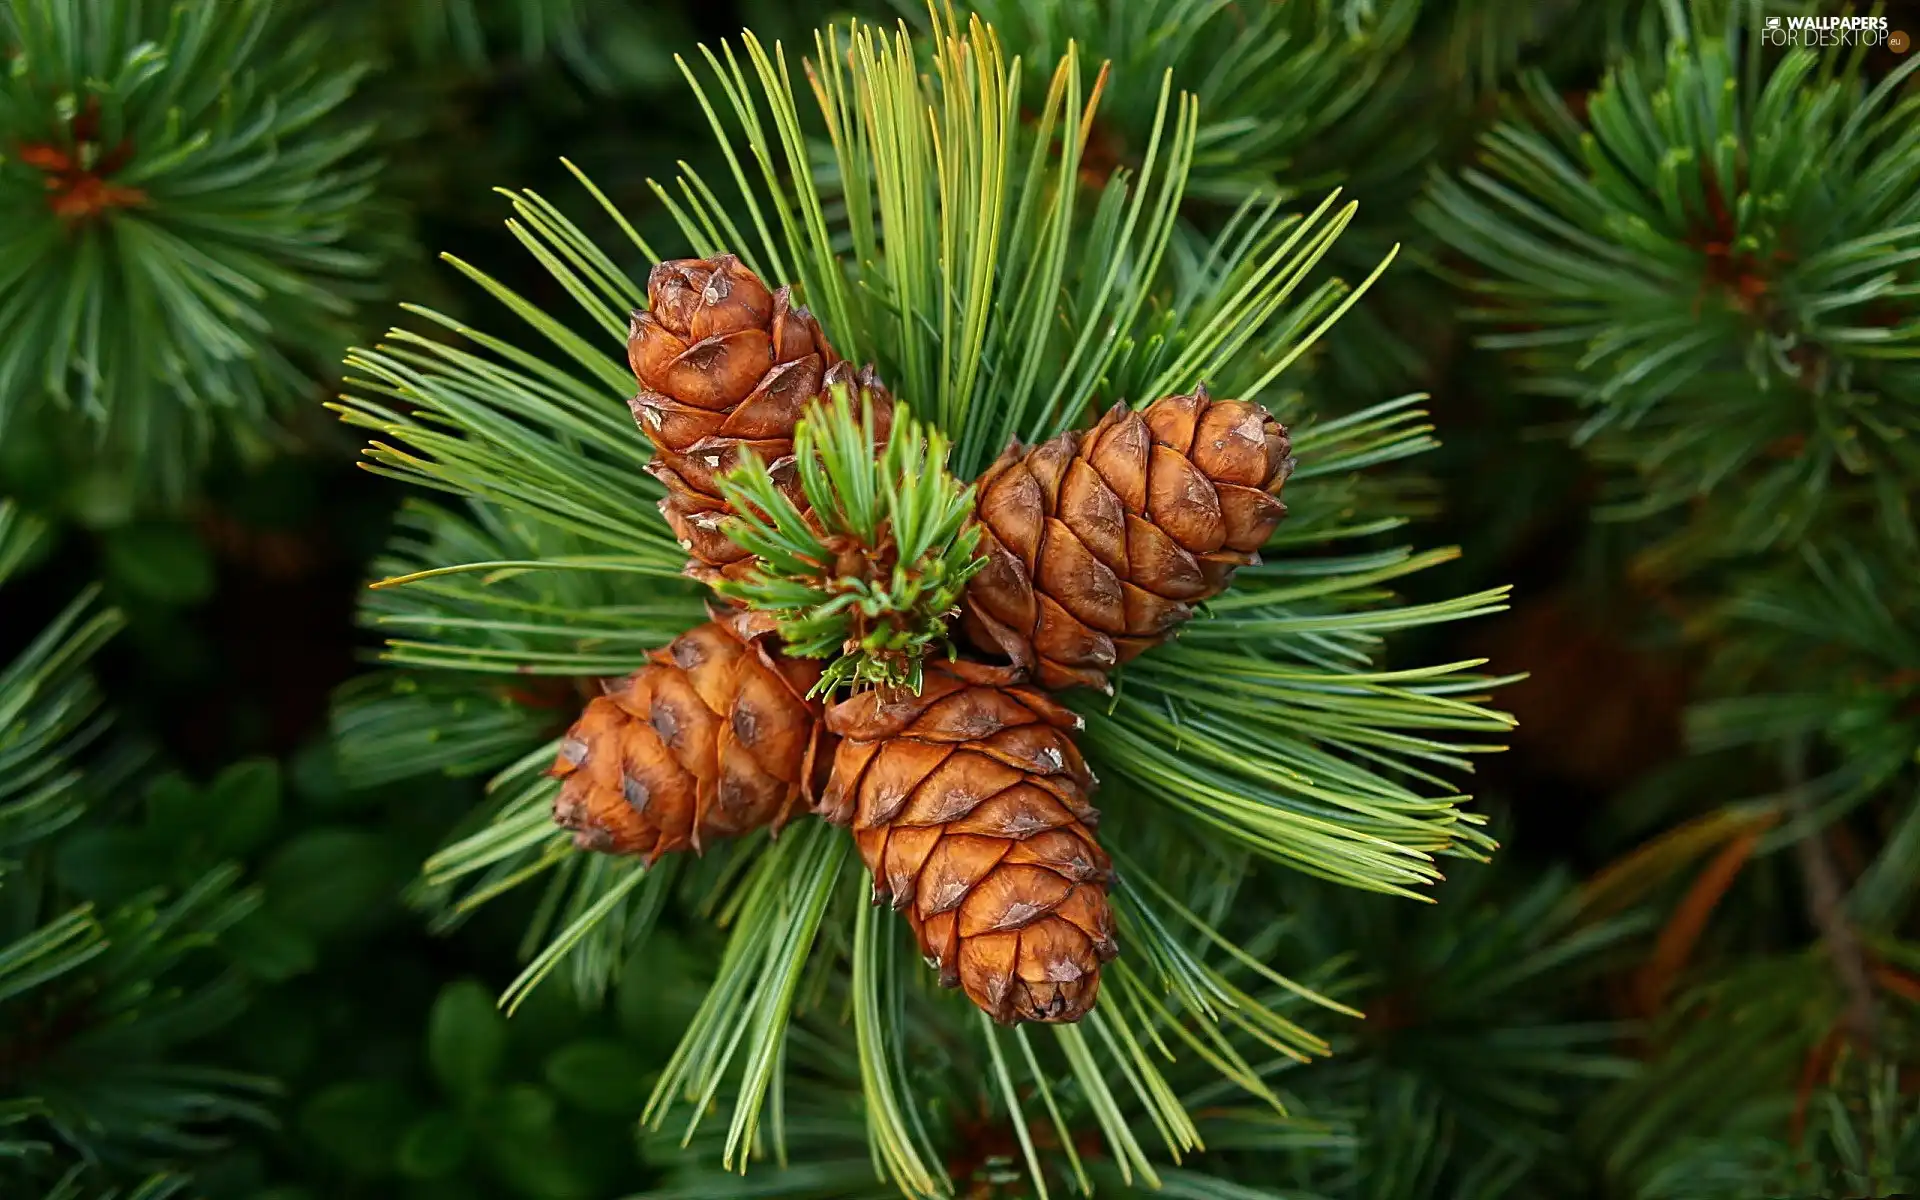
{"x":872,"y":570}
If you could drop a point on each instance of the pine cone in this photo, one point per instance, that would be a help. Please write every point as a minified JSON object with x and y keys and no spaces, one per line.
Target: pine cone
{"x":712,"y":739}
{"x":969,"y":805}
{"x":724,"y":364}
{"x":1098,"y":542}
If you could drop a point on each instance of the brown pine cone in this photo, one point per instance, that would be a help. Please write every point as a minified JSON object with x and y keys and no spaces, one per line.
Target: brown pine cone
{"x":712,"y":739}
{"x":724,"y":364}
{"x":1098,"y":542}
{"x":969,"y":805}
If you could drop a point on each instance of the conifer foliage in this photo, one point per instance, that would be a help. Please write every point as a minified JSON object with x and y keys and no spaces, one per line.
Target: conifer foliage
{"x":181,"y":204}
{"x":967,"y":788}
{"x":1729,"y":307}
{"x":96,"y":998}
{"x":1715,"y":261}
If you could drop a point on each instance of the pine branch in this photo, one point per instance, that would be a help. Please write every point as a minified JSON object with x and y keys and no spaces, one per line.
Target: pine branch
{"x":94,"y":996}
{"x":1729,"y":1057}
{"x":1475,"y":1051}
{"x":960,"y":257}
{"x":952,"y":1105}
{"x":1737,"y":320}
{"x":181,"y":213}
{"x":1815,"y":658}
{"x":49,"y":707}
{"x":1269,"y":79}
{"x":1826,"y":904}
{"x":1863,"y":1139}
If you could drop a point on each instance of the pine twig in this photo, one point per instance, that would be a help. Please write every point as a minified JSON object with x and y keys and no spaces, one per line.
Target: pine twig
{"x":1826,"y":905}
{"x":1682,"y":931}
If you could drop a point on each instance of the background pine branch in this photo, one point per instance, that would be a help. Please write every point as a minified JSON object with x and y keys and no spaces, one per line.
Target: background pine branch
{"x":185,"y":244}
